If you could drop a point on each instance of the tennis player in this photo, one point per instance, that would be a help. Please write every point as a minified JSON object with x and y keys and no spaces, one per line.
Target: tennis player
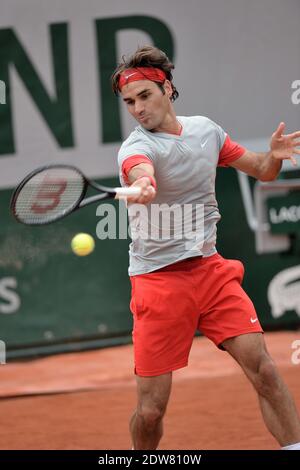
{"x":182,"y":284}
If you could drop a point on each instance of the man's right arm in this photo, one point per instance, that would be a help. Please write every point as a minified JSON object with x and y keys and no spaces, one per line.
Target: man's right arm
{"x":142,"y":175}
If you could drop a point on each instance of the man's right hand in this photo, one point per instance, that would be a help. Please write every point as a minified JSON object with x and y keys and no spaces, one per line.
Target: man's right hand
{"x":148,"y":192}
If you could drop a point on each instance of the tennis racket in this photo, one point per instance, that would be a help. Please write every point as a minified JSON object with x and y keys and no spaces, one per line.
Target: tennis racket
{"x":52,"y":192}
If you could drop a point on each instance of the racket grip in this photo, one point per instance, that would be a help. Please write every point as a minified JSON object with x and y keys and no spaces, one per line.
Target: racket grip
{"x":132,"y":191}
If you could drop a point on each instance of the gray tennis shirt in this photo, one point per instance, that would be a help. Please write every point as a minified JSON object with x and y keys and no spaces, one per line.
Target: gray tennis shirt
{"x":181,"y":221}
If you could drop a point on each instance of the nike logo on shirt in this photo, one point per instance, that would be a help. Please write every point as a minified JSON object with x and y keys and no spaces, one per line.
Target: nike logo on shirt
{"x":253,"y":320}
{"x":203,"y":143}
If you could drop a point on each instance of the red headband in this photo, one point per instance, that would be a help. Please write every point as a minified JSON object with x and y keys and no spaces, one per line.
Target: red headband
{"x":141,"y":73}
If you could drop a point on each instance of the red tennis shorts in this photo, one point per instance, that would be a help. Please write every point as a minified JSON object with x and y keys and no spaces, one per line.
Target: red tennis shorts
{"x":170,"y":304}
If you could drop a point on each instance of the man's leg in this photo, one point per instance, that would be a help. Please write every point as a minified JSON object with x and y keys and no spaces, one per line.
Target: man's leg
{"x":146,"y":425}
{"x":277,"y":405}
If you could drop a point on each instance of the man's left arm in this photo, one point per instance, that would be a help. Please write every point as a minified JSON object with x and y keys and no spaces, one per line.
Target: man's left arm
{"x":266,"y":166}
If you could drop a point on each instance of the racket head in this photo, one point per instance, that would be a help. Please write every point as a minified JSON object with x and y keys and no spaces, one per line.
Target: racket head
{"x":47,"y":194}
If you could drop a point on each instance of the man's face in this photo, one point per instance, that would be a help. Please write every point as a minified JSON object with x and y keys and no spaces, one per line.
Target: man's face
{"x":146,"y":102}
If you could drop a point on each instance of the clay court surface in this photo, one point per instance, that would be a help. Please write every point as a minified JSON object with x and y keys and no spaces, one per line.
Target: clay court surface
{"x":84,"y":400}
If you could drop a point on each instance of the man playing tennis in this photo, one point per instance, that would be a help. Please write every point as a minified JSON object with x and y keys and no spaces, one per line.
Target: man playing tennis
{"x":180,"y":285}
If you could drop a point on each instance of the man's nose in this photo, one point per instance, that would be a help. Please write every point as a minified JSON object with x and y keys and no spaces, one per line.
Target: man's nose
{"x":139,"y":107}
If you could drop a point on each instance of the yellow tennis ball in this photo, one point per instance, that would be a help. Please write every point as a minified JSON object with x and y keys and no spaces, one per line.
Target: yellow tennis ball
{"x":82,"y":244}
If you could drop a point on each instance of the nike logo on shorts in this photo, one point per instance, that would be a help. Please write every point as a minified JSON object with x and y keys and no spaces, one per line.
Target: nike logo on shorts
{"x":253,"y":320}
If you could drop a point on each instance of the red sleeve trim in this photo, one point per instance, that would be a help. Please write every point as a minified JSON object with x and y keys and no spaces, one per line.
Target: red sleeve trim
{"x":132,"y":161}
{"x":230,"y":152}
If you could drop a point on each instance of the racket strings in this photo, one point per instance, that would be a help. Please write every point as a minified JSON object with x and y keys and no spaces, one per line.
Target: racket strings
{"x":48,"y":195}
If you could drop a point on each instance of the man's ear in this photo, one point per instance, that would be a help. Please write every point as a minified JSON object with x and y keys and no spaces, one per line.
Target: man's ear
{"x":168,"y":88}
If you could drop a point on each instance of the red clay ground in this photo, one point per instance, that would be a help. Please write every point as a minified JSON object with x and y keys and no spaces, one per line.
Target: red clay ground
{"x":84,"y":400}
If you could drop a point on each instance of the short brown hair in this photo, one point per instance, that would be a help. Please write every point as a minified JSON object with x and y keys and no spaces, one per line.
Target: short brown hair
{"x":147,"y":56}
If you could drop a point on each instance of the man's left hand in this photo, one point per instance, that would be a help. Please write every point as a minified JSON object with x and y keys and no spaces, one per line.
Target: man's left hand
{"x":284,"y":146}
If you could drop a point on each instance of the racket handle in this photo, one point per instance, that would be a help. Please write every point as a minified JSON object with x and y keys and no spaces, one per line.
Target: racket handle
{"x":132,"y":191}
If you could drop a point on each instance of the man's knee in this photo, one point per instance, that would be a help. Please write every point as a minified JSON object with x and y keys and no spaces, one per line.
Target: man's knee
{"x":151,"y":415}
{"x":153,"y":397}
{"x":266,"y":379}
